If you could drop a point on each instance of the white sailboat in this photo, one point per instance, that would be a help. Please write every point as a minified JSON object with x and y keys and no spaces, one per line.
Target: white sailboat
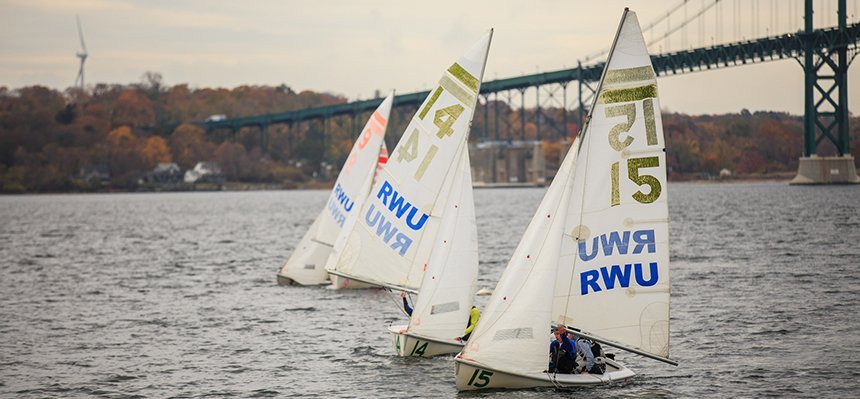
{"x":417,"y":230}
{"x":595,"y":255}
{"x":306,"y":266}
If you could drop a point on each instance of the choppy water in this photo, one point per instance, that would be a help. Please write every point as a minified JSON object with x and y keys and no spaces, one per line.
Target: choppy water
{"x":174,"y":295}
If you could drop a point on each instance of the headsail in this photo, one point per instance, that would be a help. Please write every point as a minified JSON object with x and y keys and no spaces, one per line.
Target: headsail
{"x":513,"y":332}
{"x":448,"y":287}
{"x":307,"y":263}
{"x":390,"y":243}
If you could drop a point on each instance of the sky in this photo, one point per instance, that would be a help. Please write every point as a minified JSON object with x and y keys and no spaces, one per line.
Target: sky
{"x":354,"y":48}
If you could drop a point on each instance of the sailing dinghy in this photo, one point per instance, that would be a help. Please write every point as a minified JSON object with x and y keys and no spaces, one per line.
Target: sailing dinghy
{"x":306,"y":266}
{"x":595,"y":256}
{"x":417,"y":229}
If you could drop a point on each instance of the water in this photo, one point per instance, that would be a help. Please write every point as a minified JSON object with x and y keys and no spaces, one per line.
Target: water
{"x":174,"y":295}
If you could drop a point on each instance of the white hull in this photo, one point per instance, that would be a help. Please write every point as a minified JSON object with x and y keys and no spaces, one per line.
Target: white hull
{"x":471,"y":375}
{"x":286,"y":280}
{"x":307,"y":265}
{"x":406,"y":344}
{"x":343,"y":283}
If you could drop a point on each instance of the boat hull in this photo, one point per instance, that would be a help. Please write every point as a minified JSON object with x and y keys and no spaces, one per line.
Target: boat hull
{"x":343,"y":283}
{"x":284,"y":280}
{"x":471,"y":375}
{"x":306,"y":266}
{"x":406,"y":344}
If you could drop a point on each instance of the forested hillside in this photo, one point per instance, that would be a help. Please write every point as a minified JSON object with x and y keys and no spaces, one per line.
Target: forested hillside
{"x":49,"y":140}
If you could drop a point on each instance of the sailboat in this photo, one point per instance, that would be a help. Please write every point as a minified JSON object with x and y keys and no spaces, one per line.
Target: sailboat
{"x":417,"y":231}
{"x":306,"y":265}
{"x":595,"y":256}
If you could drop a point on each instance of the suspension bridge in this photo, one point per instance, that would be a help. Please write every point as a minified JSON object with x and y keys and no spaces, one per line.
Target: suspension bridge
{"x":691,"y":36}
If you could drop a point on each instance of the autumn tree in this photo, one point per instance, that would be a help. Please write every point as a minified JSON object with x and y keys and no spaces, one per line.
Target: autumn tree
{"x":133,"y":109}
{"x":155,"y":151}
{"x":189,"y":146}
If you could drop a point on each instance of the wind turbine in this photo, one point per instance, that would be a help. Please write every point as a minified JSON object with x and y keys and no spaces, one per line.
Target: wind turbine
{"x":79,"y":81}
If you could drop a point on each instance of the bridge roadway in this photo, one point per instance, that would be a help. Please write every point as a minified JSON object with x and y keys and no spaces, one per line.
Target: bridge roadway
{"x":724,"y":55}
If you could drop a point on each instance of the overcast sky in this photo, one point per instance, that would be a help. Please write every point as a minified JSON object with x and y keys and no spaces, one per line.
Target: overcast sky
{"x":356,"y":47}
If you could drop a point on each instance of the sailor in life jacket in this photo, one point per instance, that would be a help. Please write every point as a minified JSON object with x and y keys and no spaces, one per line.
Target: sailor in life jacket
{"x":562,"y":354}
{"x":406,"y":306}
{"x":474,"y":315}
{"x":589,"y":356}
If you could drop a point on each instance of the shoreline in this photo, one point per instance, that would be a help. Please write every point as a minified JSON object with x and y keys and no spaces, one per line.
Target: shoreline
{"x":783,"y":177}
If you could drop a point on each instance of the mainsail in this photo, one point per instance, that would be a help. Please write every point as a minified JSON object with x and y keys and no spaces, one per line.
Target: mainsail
{"x":595,"y":256}
{"x":306,"y":265}
{"x":614,"y":265}
{"x":391,"y":242}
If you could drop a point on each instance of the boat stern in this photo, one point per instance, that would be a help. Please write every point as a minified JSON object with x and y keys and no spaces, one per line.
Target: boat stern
{"x":407,"y":345}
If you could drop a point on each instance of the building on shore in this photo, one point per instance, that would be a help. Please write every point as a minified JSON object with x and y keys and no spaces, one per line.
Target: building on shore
{"x":507,"y":164}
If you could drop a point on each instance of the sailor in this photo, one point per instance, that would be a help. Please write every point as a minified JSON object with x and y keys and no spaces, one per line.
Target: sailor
{"x":562,"y":355}
{"x":406,"y":306}
{"x":586,"y":362}
{"x":474,"y":315}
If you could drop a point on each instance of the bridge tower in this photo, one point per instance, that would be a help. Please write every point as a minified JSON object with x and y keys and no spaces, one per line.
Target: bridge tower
{"x":826,"y":107}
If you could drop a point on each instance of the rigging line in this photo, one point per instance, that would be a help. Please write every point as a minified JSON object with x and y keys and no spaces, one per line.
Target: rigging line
{"x":684,"y":23}
{"x":650,"y":29}
{"x":665,"y":16}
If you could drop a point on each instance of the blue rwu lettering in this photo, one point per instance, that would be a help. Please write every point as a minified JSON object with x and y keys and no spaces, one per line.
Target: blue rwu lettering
{"x":335,"y":212}
{"x":376,"y":216}
{"x":614,"y":240}
{"x":614,"y":274}
{"x":383,"y":229}
{"x":343,"y":198}
{"x":618,"y":241}
{"x":386,"y":232}
{"x":587,"y":279}
{"x":413,"y":225}
{"x":401,"y":243}
{"x":652,"y":272}
{"x":384,"y":192}
{"x":582,"y":253}
{"x":399,"y":206}
{"x":643,"y":238}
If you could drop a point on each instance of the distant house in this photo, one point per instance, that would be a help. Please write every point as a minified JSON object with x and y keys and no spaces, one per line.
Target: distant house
{"x":216,"y":118}
{"x":164,"y":173}
{"x":95,"y":174}
{"x":204,"y":172}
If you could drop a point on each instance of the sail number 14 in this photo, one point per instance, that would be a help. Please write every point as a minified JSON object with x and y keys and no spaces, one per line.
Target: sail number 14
{"x":634,"y":164}
{"x":443,"y":119}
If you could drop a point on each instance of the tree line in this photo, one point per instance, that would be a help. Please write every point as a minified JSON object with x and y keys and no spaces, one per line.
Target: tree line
{"x":50,"y":138}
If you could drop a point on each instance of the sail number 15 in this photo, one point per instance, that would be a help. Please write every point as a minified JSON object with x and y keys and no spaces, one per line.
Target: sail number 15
{"x":634,"y":164}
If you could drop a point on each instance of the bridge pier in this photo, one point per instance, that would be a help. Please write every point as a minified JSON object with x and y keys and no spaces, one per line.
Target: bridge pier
{"x":826,"y":77}
{"x":826,"y":170}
